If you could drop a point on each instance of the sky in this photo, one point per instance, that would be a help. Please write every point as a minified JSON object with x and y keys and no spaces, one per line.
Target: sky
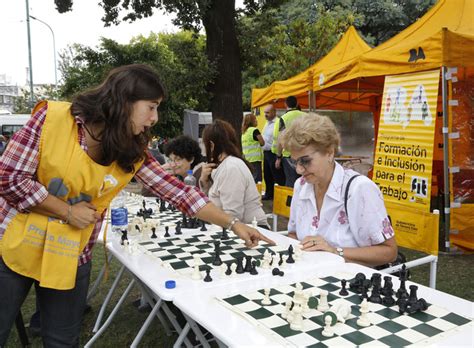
{"x":81,"y":25}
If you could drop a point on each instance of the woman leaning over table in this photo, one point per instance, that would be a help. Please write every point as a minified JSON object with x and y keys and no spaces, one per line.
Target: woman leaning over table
{"x":57,"y":178}
{"x":318,"y":218}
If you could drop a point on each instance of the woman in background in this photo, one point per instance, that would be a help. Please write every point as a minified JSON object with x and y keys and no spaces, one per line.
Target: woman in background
{"x":184,"y":154}
{"x":227,"y":178}
{"x":252,"y":141}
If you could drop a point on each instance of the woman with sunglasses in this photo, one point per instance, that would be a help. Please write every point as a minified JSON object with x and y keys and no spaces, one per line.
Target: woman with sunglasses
{"x":227,"y":177}
{"x":360,"y":232}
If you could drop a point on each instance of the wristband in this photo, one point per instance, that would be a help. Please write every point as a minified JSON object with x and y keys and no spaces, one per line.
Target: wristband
{"x":232,"y":223}
{"x":69,"y":211}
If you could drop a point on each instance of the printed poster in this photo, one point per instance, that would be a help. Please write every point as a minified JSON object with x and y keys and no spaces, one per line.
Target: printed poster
{"x":404,"y":150}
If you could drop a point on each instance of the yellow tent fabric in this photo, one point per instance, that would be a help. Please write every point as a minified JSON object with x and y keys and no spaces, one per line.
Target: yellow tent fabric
{"x":443,"y":36}
{"x":349,"y":46}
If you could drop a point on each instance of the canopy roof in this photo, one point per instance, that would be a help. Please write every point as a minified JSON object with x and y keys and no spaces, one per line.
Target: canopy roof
{"x":444,"y":36}
{"x":348,"y":47}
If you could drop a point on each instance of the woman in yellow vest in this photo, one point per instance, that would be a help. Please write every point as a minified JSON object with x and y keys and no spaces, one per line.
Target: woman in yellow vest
{"x":57,"y":178}
{"x":252,"y":141}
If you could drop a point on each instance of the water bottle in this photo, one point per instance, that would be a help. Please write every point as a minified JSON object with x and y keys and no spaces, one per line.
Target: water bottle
{"x":190,"y":179}
{"x":119,"y":212}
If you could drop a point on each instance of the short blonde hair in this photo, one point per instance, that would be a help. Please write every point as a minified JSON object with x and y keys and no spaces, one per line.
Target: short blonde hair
{"x":311,"y":129}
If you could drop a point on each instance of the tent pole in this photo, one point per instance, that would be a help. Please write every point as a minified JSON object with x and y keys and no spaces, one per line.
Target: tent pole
{"x":447,"y":196}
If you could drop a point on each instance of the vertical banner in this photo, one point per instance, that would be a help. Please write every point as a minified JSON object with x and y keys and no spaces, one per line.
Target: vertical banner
{"x":404,"y":150}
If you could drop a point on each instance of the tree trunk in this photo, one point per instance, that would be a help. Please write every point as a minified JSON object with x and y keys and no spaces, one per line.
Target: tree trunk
{"x":222,"y":48}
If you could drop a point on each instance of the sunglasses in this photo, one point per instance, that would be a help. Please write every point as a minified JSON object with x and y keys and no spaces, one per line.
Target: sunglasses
{"x":303,"y":161}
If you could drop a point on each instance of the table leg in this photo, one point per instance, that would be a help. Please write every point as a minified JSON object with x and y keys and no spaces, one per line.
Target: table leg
{"x":147,"y":323}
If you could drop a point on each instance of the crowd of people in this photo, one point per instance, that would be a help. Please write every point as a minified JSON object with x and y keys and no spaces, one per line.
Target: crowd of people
{"x":104,"y":137}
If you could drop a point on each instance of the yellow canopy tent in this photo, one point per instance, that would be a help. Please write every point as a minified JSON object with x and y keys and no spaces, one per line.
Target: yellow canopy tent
{"x":442,"y":38}
{"x":349,"y":46}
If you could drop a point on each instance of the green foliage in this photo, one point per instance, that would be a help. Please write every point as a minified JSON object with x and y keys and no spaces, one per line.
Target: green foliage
{"x":179,"y":59}
{"x":23,"y":103}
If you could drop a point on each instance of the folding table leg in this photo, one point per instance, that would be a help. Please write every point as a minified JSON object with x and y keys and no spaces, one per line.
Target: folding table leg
{"x":147,"y":323}
{"x":107,"y":299}
{"x":182,"y":336}
{"x":175,"y":324}
{"x":95,"y":287}
{"x":197,"y":331}
{"x":111,"y":316}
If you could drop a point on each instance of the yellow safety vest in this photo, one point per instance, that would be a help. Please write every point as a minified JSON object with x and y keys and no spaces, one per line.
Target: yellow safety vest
{"x":276,"y":131}
{"x":288,"y":118}
{"x":250,"y":147}
{"x":41,"y":247}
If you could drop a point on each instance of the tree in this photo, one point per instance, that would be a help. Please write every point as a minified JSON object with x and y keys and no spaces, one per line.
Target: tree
{"x":23,"y":104}
{"x":180,"y":58}
{"x":222,"y":47}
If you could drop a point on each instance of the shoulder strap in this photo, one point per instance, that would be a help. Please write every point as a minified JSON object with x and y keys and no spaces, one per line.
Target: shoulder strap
{"x":346,"y":193}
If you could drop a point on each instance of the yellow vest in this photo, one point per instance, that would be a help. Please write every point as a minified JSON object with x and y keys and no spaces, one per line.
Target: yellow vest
{"x":288,"y":118}
{"x":250,"y":147}
{"x":276,"y":131}
{"x":41,"y":247}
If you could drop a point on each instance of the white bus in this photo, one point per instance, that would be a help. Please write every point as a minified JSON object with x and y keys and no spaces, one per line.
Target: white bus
{"x":9,"y":124}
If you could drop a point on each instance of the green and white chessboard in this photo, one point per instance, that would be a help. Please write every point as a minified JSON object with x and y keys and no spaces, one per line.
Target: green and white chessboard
{"x":389,"y":327}
{"x":178,"y":251}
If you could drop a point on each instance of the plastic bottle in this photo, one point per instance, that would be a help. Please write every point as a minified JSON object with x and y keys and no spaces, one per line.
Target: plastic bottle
{"x":119,"y":212}
{"x":190,"y":179}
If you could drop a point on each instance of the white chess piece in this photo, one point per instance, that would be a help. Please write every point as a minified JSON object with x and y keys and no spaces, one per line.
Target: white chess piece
{"x":297,"y":321}
{"x":283,"y":258}
{"x":266,"y":259}
{"x":342,"y":310}
{"x":305,"y":307}
{"x":233,"y":267}
{"x":266,"y":299}
{"x":275,"y":260}
{"x":328,"y":331}
{"x":284,"y":315}
{"x":364,"y":318}
{"x":196,"y":273}
{"x":323,"y":301}
{"x":223,"y":268}
{"x":254,"y":222}
{"x":298,"y":251}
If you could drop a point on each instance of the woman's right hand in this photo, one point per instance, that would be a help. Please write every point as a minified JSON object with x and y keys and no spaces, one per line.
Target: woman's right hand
{"x":83,"y":214}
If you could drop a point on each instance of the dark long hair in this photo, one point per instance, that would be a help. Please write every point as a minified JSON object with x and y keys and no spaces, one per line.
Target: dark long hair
{"x":110,"y":104}
{"x":224,"y":138}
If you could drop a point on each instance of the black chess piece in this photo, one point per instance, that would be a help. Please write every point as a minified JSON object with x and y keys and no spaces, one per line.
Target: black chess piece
{"x":356,"y":284}
{"x":162,"y":206}
{"x":290,"y":258}
{"x":402,"y":292}
{"x":387,"y":289}
{"x":248,"y":263}
{"x":343,"y":291}
{"x":178,"y":228}
{"x":203,"y":226}
{"x":229,"y":270}
{"x":137,"y":228}
{"x":388,"y":300}
{"x":217,"y":254}
{"x":225,"y":234}
{"x":253,"y":269}
{"x":281,"y":259}
{"x":422,"y":304}
{"x":413,"y":298}
{"x":185,"y":221}
{"x":402,"y":306}
{"x":364,"y":289}
{"x":376,"y":279}
{"x":153,"y":233}
{"x":240,"y":266}
{"x":167,"y":231}
{"x":144,"y":204}
{"x":208,"y":278}
{"x":375,"y":294}
{"x":124,"y":237}
{"x":276,"y":271}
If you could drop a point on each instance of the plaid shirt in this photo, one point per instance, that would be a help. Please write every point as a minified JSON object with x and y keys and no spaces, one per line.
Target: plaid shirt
{"x":20,"y":189}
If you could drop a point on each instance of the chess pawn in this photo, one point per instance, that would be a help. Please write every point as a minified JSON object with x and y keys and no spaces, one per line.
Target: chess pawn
{"x":275,"y":260}
{"x":254,"y":222}
{"x":266,"y":299}
{"x":328,"y":331}
{"x":297,"y":320}
{"x":284,"y":315}
{"x":223,"y":268}
{"x":196,"y":273}
{"x":364,"y":309}
{"x":283,"y":258}
{"x":233,"y":267}
{"x":323,"y":301}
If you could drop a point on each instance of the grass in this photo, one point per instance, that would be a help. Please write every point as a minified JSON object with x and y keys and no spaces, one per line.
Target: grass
{"x":455,"y":276}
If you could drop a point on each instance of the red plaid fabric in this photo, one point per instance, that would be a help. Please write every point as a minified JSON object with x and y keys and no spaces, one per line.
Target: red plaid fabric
{"x":20,"y":190}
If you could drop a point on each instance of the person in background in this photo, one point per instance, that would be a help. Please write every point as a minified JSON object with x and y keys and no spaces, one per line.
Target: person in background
{"x":184,"y":154}
{"x":227,"y":177}
{"x":252,"y":141}
{"x":49,"y":196}
{"x":283,"y":155}
{"x":271,"y":174}
{"x":360,"y":232}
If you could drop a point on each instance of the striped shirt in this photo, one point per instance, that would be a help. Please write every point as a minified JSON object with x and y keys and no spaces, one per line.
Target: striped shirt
{"x":20,"y":189}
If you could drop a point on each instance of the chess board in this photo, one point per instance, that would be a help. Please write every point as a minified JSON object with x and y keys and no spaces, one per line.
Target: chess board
{"x":178,"y":251}
{"x":389,"y":327}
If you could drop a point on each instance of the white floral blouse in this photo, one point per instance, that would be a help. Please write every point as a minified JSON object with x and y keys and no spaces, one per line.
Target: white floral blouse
{"x":367,"y":224}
